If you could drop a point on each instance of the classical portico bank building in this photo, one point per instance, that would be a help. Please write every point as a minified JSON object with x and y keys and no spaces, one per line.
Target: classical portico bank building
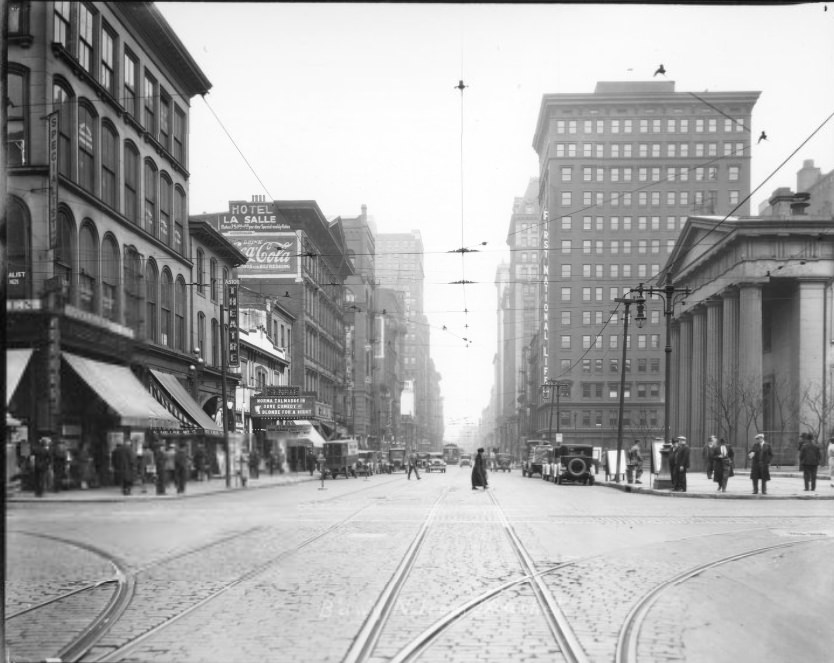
{"x":752,"y":343}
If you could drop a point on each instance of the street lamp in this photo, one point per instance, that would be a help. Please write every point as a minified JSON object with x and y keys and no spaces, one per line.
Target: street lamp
{"x":670,"y":296}
{"x":639,"y":319}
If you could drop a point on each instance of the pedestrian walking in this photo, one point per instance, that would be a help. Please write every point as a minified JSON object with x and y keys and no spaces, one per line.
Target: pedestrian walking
{"x":722,"y":462}
{"x":831,"y":461}
{"x":85,"y":464}
{"x":760,"y":456}
{"x":479,"y":472}
{"x":181,"y":466}
{"x":40,"y":465}
{"x":682,"y":463}
{"x":60,"y":456}
{"x":170,"y":465}
{"x":146,"y":466}
{"x":634,"y":464}
{"x":709,"y":455}
{"x":200,"y":461}
{"x":673,"y":466}
{"x":124,"y":464}
{"x":159,"y":458}
{"x":310,"y":459}
{"x":810,"y":457}
{"x":412,"y":464}
{"x":254,"y":463}
{"x":243,"y":468}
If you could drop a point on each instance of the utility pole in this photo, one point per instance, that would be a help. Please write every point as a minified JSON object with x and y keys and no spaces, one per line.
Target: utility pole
{"x":641,"y":316}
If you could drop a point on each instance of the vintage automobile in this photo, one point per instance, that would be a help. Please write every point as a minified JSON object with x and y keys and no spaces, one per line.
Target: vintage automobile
{"x":436,"y":465}
{"x":366,"y":463}
{"x":396,"y":459}
{"x":576,"y":464}
{"x":537,"y":456}
{"x":503,"y":462}
{"x":340,"y":457}
{"x":465,"y":460}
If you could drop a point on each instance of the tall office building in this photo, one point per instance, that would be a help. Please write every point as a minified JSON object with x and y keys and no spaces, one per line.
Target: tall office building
{"x":621,"y":169}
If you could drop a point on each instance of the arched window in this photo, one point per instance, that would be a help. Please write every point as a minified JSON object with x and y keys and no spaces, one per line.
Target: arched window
{"x":133,"y":290}
{"x":165,"y":202}
{"x":63,"y":262}
{"x":17,"y":116}
{"x":109,"y":164}
{"x":199,"y":266}
{"x":201,"y":334}
{"x":180,"y":215}
{"x":179,"y":315}
{"x":150,"y":198}
{"x":61,"y":102}
{"x":131,"y":194}
{"x":215,"y":343}
{"x":110,"y":269}
{"x":151,"y":302}
{"x":213,"y":279}
{"x":18,"y":234}
{"x":166,"y":297}
{"x":88,"y":267}
{"x":86,"y":147}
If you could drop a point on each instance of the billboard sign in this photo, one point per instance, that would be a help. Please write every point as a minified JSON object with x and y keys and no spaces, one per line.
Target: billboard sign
{"x":271,"y":254}
{"x":255,"y":216}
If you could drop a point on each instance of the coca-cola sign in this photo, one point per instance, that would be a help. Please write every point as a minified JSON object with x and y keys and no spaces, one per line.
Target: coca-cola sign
{"x":270,"y":255}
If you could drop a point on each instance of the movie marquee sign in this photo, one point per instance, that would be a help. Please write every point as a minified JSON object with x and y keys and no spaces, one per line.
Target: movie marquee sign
{"x":234,"y":317}
{"x":271,"y":246}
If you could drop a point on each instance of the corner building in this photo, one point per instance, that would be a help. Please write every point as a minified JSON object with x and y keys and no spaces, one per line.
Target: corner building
{"x":620,"y":171}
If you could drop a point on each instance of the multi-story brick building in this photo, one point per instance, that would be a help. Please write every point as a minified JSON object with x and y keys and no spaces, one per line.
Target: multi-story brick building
{"x":621,"y":169}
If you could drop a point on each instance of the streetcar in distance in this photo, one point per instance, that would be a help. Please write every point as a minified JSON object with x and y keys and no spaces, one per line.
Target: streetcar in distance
{"x":451,"y":453}
{"x":396,"y":459}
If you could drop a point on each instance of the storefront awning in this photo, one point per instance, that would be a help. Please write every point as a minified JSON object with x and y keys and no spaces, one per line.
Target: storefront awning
{"x":16,"y":362}
{"x":200,"y":421}
{"x":308,"y":432}
{"x":117,"y":386}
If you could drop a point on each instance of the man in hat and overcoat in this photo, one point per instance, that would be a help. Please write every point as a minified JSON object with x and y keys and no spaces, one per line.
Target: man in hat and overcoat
{"x":760,"y":456}
{"x":681,"y":458}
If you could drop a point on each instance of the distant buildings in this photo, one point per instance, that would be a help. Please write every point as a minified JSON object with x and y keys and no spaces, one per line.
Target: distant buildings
{"x":621,"y":169}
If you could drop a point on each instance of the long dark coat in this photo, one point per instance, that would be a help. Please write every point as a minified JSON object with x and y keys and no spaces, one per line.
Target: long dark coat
{"x":719,"y":464}
{"x":479,"y":474}
{"x":123,"y":463}
{"x":760,"y":462}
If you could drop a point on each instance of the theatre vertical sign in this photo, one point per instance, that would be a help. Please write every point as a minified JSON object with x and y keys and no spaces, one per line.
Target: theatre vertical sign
{"x":234,"y":329}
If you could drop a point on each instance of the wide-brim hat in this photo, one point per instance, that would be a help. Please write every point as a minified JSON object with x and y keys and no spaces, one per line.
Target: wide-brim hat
{"x":480,"y":450}
{"x":760,"y":436}
{"x":681,"y":438}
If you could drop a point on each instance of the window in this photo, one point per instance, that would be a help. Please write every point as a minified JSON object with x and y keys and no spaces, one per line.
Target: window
{"x":627,"y":150}
{"x":149,"y":103}
{"x":108,"y":60}
{"x":586,"y":198}
{"x":699,"y":126}
{"x":199,"y":265}
{"x":655,"y":150}
{"x":16,"y":126}
{"x":566,"y":223}
{"x":151,"y":299}
{"x":615,"y":126}
{"x":612,"y":342}
{"x":586,"y":294}
{"x":733,"y":173}
{"x":213,"y":279}
{"x":87,"y":268}
{"x":655,"y":246}
{"x":133,"y":294}
{"x":614,"y":271}
{"x":586,"y":247}
{"x":18,"y":246}
{"x":565,"y":318}
{"x":566,"y":271}
{"x":165,"y":120}
{"x":129,"y":89}
{"x":61,"y":23}
{"x":598,"y":294}
{"x":131,"y":186}
{"x":564,"y":342}
{"x":566,"y":246}
{"x":109,"y":161}
{"x":85,"y":37}
{"x":86,"y":147}
{"x":150,"y":198}
{"x":641,"y":341}
{"x":565,"y":294}
{"x":180,"y":213}
{"x":61,"y":103}
{"x":110,"y":279}
{"x":586,"y":271}
{"x":64,"y":258}
{"x":215,"y":342}
{"x":644,"y":126}
{"x":734,"y":197}
{"x":179,"y":317}
{"x":587,"y":222}
{"x":566,"y":198}
{"x":567,"y":172}
{"x":586,"y":342}
{"x":165,"y":202}
{"x":167,"y":302}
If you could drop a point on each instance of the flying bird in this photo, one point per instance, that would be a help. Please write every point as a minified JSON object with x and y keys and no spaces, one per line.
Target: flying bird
{"x":660,"y":70}
{"x":762,"y":137}
{"x":460,"y":86}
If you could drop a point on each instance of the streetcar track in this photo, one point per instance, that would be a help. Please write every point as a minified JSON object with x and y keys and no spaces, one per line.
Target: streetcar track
{"x":626,"y":650}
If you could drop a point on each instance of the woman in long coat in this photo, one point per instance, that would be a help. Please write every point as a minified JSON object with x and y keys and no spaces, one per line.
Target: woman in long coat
{"x":722,"y":464}
{"x":479,"y":475}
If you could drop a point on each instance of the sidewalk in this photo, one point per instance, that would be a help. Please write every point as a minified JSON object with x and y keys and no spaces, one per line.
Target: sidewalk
{"x":192,"y":489}
{"x":785,"y":483}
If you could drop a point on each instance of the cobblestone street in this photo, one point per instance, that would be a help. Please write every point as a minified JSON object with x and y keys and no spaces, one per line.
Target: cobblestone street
{"x":293,"y":569}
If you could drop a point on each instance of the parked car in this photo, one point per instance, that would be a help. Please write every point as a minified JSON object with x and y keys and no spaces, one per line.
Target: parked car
{"x":538,"y":457}
{"x":576,"y":464}
{"x":436,"y":465}
{"x":504,"y":462}
{"x":465,"y":460}
{"x":365,"y":463}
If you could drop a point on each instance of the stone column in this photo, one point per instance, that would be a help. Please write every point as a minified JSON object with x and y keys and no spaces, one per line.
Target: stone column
{"x":684,"y":402}
{"x":699,"y":370}
{"x":675,"y":379}
{"x":750,"y":356}
{"x":728,"y":403}
{"x":712,"y":377}
{"x":810,"y":359}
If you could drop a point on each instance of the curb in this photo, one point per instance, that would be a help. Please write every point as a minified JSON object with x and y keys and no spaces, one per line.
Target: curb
{"x":629,"y":488}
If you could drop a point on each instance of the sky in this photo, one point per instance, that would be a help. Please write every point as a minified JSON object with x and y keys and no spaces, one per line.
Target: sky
{"x":356,"y":104}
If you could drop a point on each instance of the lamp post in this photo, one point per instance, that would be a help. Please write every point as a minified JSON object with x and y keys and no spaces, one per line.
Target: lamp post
{"x":670,"y":295}
{"x":639,"y":319}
